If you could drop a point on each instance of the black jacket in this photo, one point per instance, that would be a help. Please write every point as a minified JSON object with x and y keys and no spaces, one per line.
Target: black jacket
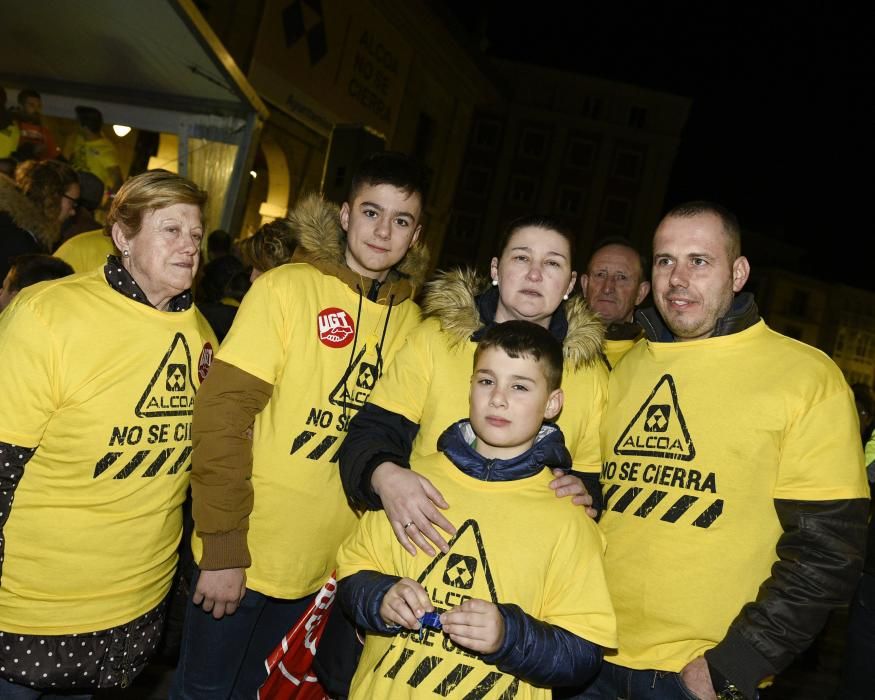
{"x":376,"y":435}
{"x":820,"y":555}
{"x":537,"y":652}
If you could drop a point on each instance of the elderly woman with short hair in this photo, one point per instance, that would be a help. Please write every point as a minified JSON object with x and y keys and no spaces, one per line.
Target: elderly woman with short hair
{"x":100,"y":374}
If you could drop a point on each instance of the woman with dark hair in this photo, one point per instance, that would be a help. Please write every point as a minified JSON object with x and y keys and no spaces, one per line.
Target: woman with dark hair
{"x":425,"y":389}
{"x":32,"y":209}
{"x":270,"y":246}
{"x":100,"y":374}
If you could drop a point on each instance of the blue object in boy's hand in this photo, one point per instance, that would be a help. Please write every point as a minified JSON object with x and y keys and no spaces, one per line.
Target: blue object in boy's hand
{"x":431,"y":619}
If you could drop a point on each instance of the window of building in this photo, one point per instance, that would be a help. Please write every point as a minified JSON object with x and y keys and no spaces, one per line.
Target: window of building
{"x":475,"y":181}
{"x":637,"y":117}
{"x":627,"y":164}
{"x":533,"y":143}
{"x":487,"y":134}
{"x":522,"y":190}
{"x":798,"y":305}
{"x":592,"y":107}
{"x":840,"y":343}
{"x":570,"y":201}
{"x":616,"y":212}
{"x":580,"y":153}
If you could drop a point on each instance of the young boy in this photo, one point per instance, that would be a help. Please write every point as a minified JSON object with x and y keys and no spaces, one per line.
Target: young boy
{"x":307,"y":344}
{"x":520,"y":595}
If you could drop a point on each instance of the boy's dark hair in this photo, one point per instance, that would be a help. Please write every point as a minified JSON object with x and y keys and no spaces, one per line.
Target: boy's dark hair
{"x":30,"y":269}
{"x":543,"y":221}
{"x":389,"y":168}
{"x":526,"y":339}
{"x":90,"y":118}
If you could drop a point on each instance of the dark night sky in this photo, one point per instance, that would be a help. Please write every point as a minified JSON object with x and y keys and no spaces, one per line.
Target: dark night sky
{"x":781,"y":127}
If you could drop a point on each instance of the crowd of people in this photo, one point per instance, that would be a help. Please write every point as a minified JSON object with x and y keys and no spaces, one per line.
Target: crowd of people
{"x":526,"y":483}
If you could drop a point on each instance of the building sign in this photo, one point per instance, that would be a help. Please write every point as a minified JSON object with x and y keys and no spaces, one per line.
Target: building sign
{"x":340,"y":58}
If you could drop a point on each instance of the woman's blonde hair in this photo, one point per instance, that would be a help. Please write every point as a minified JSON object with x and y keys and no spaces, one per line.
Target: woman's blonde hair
{"x":155,"y":189}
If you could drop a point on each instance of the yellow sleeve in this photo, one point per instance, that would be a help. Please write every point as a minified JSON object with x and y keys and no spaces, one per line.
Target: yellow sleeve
{"x":822,"y":458}
{"x":586,"y":455}
{"x":367,"y":548}
{"x":30,"y":374}
{"x":257,"y":341}
{"x":405,"y":385}
{"x":576,"y":596}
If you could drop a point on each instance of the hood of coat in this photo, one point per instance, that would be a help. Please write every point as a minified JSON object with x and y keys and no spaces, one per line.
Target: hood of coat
{"x":322,"y":242}
{"x":25,"y":214}
{"x":451,"y":298}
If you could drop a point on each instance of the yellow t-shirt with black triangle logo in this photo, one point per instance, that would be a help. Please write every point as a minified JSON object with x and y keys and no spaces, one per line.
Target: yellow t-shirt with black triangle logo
{"x":515,"y":543}
{"x":430,"y":379}
{"x":323,"y":347}
{"x":699,"y":439}
{"x":103,"y":386}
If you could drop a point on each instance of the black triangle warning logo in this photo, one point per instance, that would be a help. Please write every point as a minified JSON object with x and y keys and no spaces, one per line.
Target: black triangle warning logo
{"x":462,"y":573}
{"x":658,"y":429}
{"x":354,"y":387}
{"x":170,"y":391}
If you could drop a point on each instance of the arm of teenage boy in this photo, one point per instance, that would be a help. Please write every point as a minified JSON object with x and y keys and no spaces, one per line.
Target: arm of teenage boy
{"x":237,"y":389}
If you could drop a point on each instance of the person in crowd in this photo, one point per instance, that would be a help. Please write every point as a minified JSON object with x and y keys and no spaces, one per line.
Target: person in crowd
{"x":10,"y":133}
{"x":221,"y":289}
{"x":865,"y":405}
{"x":308,"y":343}
{"x":520,"y":595}
{"x":36,"y":141}
{"x":26,"y":270}
{"x":33,"y":207}
{"x":91,"y":151}
{"x":100,"y":375}
{"x":91,"y":193}
{"x":735,"y":495}
{"x":614,"y":284}
{"x":270,"y":246}
{"x":420,"y":394}
{"x":219,"y":244}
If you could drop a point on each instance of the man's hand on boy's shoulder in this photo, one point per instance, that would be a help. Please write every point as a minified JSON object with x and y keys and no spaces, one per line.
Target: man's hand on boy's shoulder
{"x":570,"y":485}
{"x":404,"y":603}
{"x":476,"y":625}
{"x":411,"y":503}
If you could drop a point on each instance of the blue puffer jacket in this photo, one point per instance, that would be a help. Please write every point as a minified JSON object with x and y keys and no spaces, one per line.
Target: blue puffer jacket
{"x":537,"y":652}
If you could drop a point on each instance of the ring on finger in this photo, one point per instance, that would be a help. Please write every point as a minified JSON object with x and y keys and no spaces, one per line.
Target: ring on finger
{"x":409,"y":524}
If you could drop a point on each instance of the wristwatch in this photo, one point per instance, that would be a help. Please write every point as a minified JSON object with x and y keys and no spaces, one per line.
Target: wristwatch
{"x":730,"y":692}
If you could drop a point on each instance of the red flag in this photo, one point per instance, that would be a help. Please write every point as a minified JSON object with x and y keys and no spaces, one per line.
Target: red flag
{"x":289,"y":675}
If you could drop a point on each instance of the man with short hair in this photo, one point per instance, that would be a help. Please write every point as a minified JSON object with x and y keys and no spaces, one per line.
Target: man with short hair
{"x":613,"y":285}
{"x":307,"y":345}
{"x":36,"y":141}
{"x":91,"y":151}
{"x":734,"y":482}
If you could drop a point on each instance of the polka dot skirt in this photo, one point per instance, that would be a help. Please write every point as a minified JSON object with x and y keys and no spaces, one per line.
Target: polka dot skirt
{"x":103,"y":659}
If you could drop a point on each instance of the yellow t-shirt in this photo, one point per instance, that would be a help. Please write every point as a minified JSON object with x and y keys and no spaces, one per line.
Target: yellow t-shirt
{"x":516,"y":543}
{"x":615,"y":349}
{"x":103,"y":386}
{"x":9,"y":139}
{"x":699,"y":438}
{"x":302,"y":331}
{"x":97,"y":157}
{"x":86,"y":251}
{"x":429,"y":382}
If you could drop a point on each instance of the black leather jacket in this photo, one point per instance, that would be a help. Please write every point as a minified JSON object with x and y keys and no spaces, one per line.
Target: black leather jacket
{"x":820,"y":556}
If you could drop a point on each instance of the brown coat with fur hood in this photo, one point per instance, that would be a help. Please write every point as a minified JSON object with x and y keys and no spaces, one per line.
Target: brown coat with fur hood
{"x":23,"y":227}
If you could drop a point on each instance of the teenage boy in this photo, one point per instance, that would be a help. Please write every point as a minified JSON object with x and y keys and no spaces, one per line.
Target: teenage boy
{"x":309,"y":341}
{"x":521,"y":594}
